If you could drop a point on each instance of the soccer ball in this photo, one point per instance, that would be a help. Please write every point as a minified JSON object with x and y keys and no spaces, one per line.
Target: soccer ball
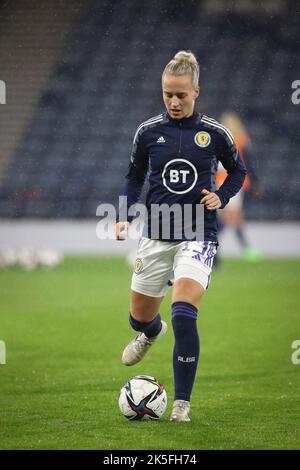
{"x":143,"y":397}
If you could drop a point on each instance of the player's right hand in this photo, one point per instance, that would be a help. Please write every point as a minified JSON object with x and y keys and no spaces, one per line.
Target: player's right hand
{"x":121,"y":230}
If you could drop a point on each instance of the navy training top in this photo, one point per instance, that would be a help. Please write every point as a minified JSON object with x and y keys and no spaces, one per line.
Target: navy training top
{"x":181,"y":157}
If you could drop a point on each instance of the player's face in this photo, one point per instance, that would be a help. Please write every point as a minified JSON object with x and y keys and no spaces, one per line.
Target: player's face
{"x":179,"y":95}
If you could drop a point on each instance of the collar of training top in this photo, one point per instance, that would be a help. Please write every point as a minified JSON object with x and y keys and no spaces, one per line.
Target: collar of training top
{"x":190,"y":121}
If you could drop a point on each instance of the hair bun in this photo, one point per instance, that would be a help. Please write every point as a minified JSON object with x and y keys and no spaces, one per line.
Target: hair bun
{"x":186,"y":56}
{"x":184,"y":62}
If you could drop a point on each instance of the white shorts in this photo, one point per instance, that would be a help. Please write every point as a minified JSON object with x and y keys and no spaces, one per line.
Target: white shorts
{"x":158,"y":262}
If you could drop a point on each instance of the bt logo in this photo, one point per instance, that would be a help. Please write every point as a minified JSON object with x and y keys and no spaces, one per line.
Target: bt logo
{"x":175,"y":175}
{"x":179,"y":176}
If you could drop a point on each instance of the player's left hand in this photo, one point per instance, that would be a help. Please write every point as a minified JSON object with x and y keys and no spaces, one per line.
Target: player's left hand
{"x":210,"y":200}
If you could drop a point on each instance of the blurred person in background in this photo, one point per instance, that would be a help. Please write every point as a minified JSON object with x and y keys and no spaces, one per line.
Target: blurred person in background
{"x":233,"y":214}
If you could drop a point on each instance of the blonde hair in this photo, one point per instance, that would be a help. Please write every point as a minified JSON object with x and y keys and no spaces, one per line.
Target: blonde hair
{"x":182,"y":63}
{"x":234,"y":123}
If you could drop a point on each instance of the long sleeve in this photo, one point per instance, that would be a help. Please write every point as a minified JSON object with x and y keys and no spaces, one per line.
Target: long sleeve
{"x":233,"y":164}
{"x":136,"y":174}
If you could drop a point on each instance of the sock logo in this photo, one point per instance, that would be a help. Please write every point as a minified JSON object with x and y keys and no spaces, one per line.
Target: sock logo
{"x":186,"y":359}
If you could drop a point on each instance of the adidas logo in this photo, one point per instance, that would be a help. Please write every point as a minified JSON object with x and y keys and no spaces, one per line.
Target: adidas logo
{"x":161,"y":140}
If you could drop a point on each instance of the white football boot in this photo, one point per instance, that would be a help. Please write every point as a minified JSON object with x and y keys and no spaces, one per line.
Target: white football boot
{"x":180,"y":412}
{"x":137,"y":348}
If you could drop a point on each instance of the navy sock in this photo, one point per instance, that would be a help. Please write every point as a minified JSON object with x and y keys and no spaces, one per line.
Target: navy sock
{"x":186,"y":348}
{"x":150,"y":329}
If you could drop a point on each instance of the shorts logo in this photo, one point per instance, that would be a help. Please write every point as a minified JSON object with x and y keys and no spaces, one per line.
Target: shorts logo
{"x":202,"y":139}
{"x":179,"y":176}
{"x":138,"y":266}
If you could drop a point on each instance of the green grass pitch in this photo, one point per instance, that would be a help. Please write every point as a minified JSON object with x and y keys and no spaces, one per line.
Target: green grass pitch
{"x":65,"y":330}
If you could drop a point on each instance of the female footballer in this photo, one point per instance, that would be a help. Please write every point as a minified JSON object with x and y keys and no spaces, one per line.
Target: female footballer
{"x":179,"y":150}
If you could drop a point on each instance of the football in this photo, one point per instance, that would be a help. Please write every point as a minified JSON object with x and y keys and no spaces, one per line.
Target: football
{"x":143,"y":397}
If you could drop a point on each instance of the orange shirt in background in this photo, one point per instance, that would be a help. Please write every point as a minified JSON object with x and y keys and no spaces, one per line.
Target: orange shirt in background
{"x":241,"y":141}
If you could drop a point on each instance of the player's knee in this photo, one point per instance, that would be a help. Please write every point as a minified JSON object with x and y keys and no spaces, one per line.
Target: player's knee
{"x":188,"y":290}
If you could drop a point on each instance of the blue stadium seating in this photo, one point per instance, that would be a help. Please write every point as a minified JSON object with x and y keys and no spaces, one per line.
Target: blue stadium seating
{"x":76,"y":149}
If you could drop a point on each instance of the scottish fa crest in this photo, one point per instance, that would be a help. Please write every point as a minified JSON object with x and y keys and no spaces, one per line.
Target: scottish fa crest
{"x":202,"y":139}
{"x":138,"y":265}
